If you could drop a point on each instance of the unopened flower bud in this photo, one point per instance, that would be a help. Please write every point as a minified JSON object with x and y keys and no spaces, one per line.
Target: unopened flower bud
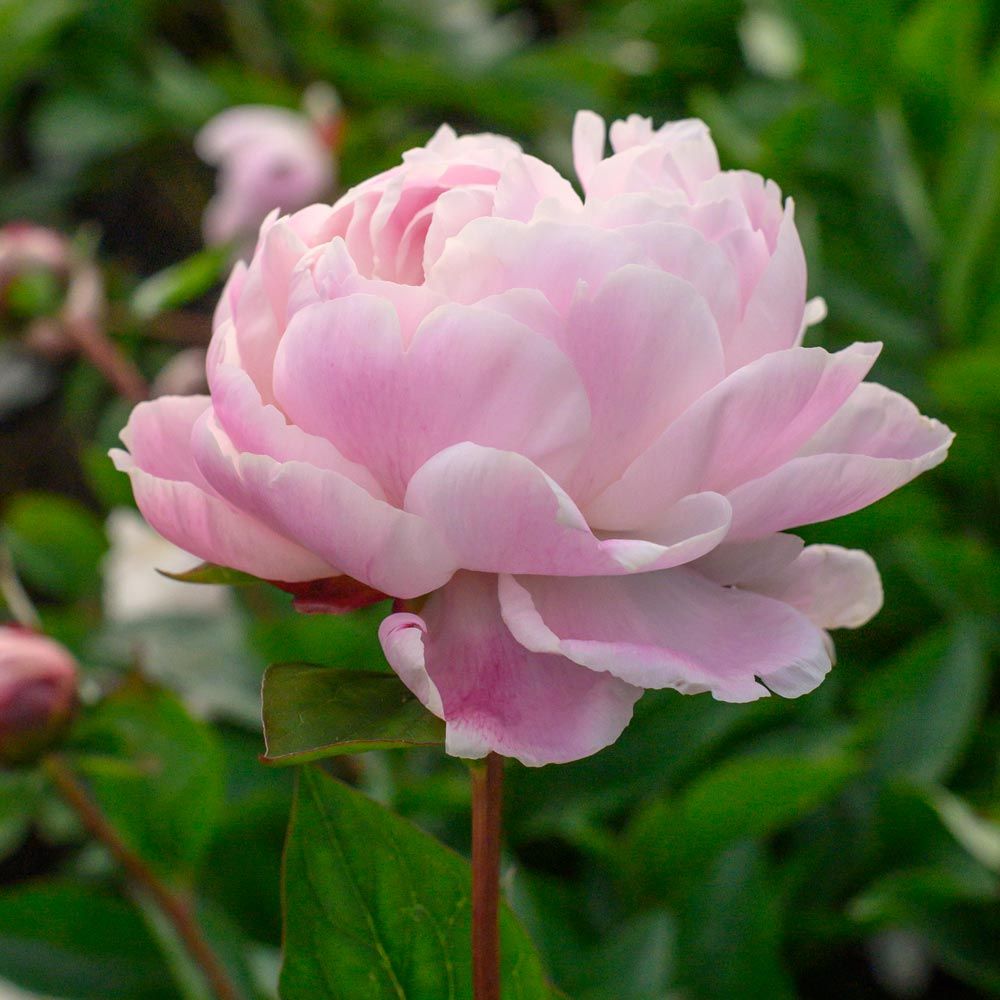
{"x":37,"y":693}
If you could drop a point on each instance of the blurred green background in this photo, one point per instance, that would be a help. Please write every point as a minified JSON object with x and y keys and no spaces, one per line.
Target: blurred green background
{"x":847,"y":844}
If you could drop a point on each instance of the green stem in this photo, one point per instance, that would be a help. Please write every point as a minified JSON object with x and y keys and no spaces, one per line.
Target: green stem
{"x":487,"y":807}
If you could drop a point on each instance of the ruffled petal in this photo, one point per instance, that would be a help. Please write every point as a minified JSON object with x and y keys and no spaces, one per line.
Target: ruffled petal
{"x":833,"y":587}
{"x":493,"y":255}
{"x":655,"y":334}
{"x":469,"y":374}
{"x":460,"y":660}
{"x":774,"y":315}
{"x":748,"y":424}
{"x":177,"y":501}
{"x":675,"y":629}
{"x":876,"y":442}
{"x":327,"y":513}
{"x":500,"y":513}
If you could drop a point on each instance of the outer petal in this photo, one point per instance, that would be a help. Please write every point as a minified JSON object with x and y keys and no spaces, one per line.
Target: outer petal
{"x":261,"y":429}
{"x":177,"y":501}
{"x":495,"y":695}
{"x":876,"y":442}
{"x":470,"y":374}
{"x":501,"y":514}
{"x":835,"y":587}
{"x":325,"y":512}
{"x":746,"y":425}
{"x":646,"y":347}
{"x":673,"y":629}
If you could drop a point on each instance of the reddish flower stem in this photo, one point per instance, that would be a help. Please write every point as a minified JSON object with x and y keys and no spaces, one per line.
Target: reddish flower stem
{"x":487,"y":808}
{"x":176,"y":908}
{"x":95,"y":345}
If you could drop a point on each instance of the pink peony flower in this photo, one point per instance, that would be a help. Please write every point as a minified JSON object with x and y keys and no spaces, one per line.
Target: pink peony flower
{"x":37,"y":692}
{"x":267,"y":158}
{"x":572,"y":434}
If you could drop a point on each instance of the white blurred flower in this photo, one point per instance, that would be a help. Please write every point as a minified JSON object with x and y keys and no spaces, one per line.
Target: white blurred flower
{"x":133,"y":590}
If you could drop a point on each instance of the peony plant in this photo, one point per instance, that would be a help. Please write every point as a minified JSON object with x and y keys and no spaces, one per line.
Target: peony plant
{"x":568,"y":435}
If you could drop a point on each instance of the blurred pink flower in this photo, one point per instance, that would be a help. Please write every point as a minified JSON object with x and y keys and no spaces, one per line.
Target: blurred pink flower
{"x":268,"y":158}
{"x":37,"y":692}
{"x":577,"y":430}
{"x":25,"y":248}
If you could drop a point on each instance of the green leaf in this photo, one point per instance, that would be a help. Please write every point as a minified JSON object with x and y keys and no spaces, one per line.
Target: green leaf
{"x":210,"y":573}
{"x":312,"y":712}
{"x":180,"y":283}
{"x":157,"y":773}
{"x":19,"y":798}
{"x":925,"y":705}
{"x":375,"y":908}
{"x":69,"y":940}
{"x":56,"y":544}
{"x":749,"y":797}
{"x":979,"y":836}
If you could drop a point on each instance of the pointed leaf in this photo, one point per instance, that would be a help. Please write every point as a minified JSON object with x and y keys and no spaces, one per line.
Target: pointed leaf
{"x":376,"y":908}
{"x":312,"y":712}
{"x":210,"y":573}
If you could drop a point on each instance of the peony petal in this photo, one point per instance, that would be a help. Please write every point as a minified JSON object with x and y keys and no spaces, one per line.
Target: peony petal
{"x":655,"y":334}
{"x":834,"y":587}
{"x":261,"y":429}
{"x":459,"y":659}
{"x":493,"y":255}
{"x":386,"y":548}
{"x":177,"y":501}
{"x":747,"y":425}
{"x":501,"y":514}
{"x":774,"y":315}
{"x":527,"y":181}
{"x":877,"y":442}
{"x":674,"y":629}
{"x":259,"y":311}
{"x":469,"y":374}
{"x":589,"y":132}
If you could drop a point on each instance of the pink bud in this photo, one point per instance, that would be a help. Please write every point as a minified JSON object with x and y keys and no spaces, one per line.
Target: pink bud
{"x":37,"y":693}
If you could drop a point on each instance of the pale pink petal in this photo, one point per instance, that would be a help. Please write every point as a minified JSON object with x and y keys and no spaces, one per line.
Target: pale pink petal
{"x":326,"y":513}
{"x":501,"y":513}
{"x":774,"y":315}
{"x":875,"y":443}
{"x":177,"y":501}
{"x":259,"y":313}
{"x":589,"y":133}
{"x":748,"y":424}
{"x":655,"y":334}
{"x":674,"y":629}
{"x":738,"y":563}
{"x":683,"y":251}
{"x":525,"y":183}
{"x":469,"y":374}
{"x":453,"y":211}
{"x":459,"y":659}
{"x":259,"y":428}
{"x":834,"y":587}
{"x":493,"y":255}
